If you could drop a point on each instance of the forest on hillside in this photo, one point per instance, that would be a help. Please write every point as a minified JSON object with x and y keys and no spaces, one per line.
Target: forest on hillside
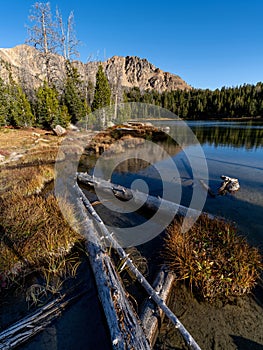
{"x":234,"y":102}
{"x":47,"y":106}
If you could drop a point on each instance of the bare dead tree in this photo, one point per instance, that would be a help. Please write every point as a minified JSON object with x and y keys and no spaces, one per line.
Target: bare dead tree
{"x":43,"y":36}
{"x":67,"y":37}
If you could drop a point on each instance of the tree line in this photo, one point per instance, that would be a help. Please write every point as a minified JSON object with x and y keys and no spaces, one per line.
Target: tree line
{"x":232,"y":102}
{"x":47,"y":106}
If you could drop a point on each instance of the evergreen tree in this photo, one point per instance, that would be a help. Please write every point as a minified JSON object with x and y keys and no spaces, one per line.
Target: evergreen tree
{"x":20,"y":108}
{"x":72,"y":96}
{"x":3,"y":103}
{"x":15,"y":108}
{"x":102,"y":94}
{"x":102,"y":98}
{"x":48,"y":111}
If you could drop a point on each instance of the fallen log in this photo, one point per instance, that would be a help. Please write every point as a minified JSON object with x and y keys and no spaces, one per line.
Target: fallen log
{"x":152,"y":316}
{"x":124,"y":325}
{"x":191,"y":343}
{"x":229,"y":184}
{"x":25,"y":329}
{"x":139,"y":199}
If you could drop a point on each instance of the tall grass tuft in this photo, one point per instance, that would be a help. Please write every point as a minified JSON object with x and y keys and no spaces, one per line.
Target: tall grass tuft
{"x":215,"y":260}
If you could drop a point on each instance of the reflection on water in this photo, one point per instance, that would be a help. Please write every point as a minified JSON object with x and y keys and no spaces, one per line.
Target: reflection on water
{"x":234,"y":149}
{"x":234,"y":134}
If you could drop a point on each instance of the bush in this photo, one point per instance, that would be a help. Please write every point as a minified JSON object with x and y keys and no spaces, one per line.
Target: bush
{"x":217,"y":262}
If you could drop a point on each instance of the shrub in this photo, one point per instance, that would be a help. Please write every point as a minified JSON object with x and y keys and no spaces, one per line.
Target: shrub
{"x":217,"y":262}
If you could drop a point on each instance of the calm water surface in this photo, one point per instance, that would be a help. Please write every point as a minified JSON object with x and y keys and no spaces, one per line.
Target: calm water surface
{"x":231,"y":148}
{"x":234,"y":149}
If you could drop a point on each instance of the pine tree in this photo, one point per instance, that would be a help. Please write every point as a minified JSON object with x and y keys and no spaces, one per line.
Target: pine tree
{"x":3,"y":103}
{"x":21,"y":106}
{"x":72,"y":96}
{"x":102,"y":94}
{"x":102,"y":98}
{"x":49,"y":113}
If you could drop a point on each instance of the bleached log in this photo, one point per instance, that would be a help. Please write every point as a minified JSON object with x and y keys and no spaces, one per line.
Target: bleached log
{"x":229,"y":184}
{"x":191,"y":343}
{"x":124,"y":325}
{"x":25,"y":329}
{"x":152,"y":316}
{"x":139,"y":198}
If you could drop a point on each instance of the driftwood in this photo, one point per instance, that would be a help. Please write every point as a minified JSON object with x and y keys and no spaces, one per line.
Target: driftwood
{"x":140,"y":278}
{"x":229,"y":184}
{"x":207,"y":188}
{"x":139,"y":198}
{"x":151,"y":316}
{"x":123,"y":323}
{"x":36,"y":322}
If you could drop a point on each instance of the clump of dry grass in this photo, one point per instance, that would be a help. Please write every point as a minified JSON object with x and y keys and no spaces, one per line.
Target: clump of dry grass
{"x":217,"y":262}
{"x":34,"y":236}
{"x":25,"y":181}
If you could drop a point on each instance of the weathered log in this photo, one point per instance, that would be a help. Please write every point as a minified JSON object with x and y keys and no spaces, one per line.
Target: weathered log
{"x":152,"y":316}
{"x":191,"y":343}
{"x":123,"y":323}
{"x":139,"y":198}
{"x":229,"y":184}
{"x":25,"y":329}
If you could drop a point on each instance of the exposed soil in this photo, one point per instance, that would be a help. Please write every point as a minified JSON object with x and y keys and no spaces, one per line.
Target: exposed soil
{"x":215,"y":326}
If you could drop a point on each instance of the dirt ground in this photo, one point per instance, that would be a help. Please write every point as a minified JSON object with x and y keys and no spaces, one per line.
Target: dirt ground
{"x":238,"y":325}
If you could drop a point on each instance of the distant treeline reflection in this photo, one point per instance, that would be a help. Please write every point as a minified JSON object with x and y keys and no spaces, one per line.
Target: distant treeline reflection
{"x":248,"y":137}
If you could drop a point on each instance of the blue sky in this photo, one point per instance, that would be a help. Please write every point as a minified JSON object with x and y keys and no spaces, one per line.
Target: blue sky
{"x":209,"y":44}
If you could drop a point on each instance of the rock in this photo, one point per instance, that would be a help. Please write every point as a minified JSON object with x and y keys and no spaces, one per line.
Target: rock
{"x":59,"y":130}
{"x":2,"y":158}
{"x":72,"y":127}
{"x":15,"y":156}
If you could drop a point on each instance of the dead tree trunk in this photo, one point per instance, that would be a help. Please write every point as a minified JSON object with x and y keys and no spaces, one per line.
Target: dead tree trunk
{"x":139,"y":198}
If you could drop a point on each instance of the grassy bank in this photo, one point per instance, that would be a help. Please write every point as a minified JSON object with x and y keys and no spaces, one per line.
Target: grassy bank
{"x":34,"y":234}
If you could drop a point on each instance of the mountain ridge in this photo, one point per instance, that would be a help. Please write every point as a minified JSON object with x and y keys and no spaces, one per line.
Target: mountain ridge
{"x":27,"y":66}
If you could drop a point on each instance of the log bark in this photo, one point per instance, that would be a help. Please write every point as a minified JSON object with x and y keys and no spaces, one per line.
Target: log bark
{"x":124,"y":325}
{"x":139,"y":198}
{"x":152,"y":316}
{"x":191,"y":343}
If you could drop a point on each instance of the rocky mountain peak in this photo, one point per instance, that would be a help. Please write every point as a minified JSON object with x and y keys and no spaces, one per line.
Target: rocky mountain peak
{"x":127,"y":72}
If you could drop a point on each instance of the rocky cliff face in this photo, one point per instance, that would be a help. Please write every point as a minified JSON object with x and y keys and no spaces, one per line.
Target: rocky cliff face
{"x":28,"y":66}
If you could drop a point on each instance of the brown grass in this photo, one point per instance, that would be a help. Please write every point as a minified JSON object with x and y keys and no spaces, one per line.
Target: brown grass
{"x":217,"y":262}
{"x":34,"y":235}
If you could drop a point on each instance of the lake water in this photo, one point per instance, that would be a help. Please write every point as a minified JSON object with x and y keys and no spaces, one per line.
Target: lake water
{"x":234,"y":149}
